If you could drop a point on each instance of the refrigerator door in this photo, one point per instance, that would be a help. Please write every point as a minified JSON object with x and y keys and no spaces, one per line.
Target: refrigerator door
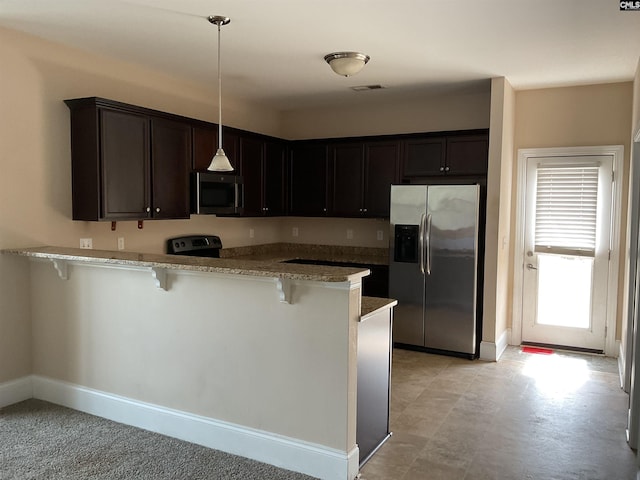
{"x":407,"y":262}
{"x":450,"y":306}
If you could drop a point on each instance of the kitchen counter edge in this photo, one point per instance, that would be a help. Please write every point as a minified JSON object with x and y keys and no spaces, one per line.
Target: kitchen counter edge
{"x":200,"y":264}
{"x":372,"y":305}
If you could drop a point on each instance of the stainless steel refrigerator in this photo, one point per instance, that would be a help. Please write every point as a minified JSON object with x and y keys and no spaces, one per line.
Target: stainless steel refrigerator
{"x":433,"y":266}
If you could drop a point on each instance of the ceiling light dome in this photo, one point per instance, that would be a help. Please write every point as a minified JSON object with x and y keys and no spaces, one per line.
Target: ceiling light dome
{"x":346,"y":63}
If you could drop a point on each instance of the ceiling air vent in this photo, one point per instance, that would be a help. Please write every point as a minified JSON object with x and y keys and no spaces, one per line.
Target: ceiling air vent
{"x":362,"y":88}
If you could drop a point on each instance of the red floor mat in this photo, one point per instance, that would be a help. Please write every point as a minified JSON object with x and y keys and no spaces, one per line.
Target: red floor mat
{"x":538,"y":350}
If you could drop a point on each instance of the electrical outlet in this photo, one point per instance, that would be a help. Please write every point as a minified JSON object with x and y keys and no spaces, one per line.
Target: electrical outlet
{"x":294,"y":231}
{"x":252,"y":233}
{"x":380,"y":235}
{"x":120,"y":243}
{"x":86,"y":243}
{"x":349,"y":234}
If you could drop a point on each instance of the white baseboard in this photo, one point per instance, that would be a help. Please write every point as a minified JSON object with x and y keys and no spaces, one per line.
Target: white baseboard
{"x":15,"y":391}
{"x":315,"y":460}
{"x":491,"y":351}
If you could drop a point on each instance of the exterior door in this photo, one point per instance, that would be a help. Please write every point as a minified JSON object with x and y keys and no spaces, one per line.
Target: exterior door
{"x":566,"y":250}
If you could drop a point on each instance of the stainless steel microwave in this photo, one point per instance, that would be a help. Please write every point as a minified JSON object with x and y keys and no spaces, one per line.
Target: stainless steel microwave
{"x":216,"y":193}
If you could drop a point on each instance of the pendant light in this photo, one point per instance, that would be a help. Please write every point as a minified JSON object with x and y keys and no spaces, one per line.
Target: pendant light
{"x":219,"y":162}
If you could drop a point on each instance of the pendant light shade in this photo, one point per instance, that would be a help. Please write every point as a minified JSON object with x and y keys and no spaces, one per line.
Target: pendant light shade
{"x":219,"y":162}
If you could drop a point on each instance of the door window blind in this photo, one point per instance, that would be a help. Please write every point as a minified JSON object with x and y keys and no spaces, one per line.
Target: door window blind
{"x":566,"y":208}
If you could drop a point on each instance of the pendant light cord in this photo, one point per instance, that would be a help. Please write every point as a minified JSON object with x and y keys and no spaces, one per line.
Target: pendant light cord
{"x":219,"y":93}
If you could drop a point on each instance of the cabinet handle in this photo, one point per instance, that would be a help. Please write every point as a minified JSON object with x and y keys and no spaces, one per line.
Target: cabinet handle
{"x":157,"y":209}
{"x":446,"y":169}
{"x":442,"y":169}
{"x":266,"y":209}
{"x":148,"y":209}
{"x":324,"y":209}
{"x":364,"y":210}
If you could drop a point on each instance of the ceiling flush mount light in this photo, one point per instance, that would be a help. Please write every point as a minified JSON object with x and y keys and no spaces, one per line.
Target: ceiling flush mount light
{"x":219,"y":162}
{"x":346,"y":63}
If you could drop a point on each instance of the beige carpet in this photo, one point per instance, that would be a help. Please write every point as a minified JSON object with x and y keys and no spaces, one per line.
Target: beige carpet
{"x":39,"y":440}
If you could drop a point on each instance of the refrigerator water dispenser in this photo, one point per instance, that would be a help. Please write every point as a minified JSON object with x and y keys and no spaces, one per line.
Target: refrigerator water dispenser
{"x":406,"y":243}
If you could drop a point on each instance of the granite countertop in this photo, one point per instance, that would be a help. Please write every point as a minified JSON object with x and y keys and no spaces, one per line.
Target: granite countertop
{"x":372,"y":305}
{"x":238,"y":265}
{"x":279,"y":252}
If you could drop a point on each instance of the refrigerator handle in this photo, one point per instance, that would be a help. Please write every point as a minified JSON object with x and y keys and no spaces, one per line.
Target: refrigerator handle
{"x":428,"y":245}
{"x":421,"y":242}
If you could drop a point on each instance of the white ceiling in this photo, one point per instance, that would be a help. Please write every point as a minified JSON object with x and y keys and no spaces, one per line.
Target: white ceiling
{"x":272,"y":51}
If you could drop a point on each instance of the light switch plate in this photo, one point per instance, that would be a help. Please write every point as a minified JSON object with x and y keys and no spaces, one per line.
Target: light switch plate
{"x":120,"y":243}
{"x":294,"y":231}
{"x":380,"y":235}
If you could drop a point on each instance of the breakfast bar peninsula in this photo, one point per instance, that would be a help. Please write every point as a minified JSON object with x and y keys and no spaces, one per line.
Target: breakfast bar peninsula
{"x":254,"y":358}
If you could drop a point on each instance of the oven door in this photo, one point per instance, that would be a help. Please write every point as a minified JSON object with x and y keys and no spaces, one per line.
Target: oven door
{"x":217,"y":194}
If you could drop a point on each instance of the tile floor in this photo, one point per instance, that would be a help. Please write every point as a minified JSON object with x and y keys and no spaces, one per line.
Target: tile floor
{"x":528,"y":416}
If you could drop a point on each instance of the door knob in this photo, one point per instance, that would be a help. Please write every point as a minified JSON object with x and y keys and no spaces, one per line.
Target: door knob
{"x":531,"y":267}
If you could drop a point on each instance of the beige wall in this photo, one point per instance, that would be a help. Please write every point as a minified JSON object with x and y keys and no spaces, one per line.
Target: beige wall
{"x":578,"y":116}
{"x":497,"y":285}
{"x":451,"y":111}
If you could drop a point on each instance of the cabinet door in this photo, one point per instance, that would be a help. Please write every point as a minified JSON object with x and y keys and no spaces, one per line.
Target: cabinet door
{"x":205,"y":145}
{"x":170,"y":160}
{"x":124,"y":153}
{"x":231,"y":147}
{"x":424,"y":157}
{"x":274,"y":178}
{"x":308,"y":173}
{"x":347,"y":180}
{"x":467,"y":154}
{"x":251,"y":151}
{"x":381,"y":170}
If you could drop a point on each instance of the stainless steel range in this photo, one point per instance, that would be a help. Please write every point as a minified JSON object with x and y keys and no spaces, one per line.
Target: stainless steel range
{"x":195,"y":246}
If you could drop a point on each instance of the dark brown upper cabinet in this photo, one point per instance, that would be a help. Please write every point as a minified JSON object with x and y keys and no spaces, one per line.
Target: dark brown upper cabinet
{"x":424,"y":157}
{"x":170,"y":161}
{"x":205,"y":145}
{"x":309,"y":179}
{"x":259,"y":159}
{"x":381,"y":168}
{"x":274,"y":183}
{"x":458,"y":153}
{"x":362,"y":176}
{"x":252,"y":156}
{"x":128,"y":162}
{"x":348,"y":179}
{"x":468,"y":154}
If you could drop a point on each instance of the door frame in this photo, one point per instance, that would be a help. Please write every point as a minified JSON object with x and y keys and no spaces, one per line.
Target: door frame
{"x":617,"y":152}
